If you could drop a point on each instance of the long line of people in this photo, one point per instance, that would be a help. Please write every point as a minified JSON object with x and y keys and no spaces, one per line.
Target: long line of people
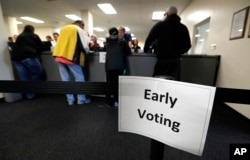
{"x":71,"y":46}
{"x":27,"y":47}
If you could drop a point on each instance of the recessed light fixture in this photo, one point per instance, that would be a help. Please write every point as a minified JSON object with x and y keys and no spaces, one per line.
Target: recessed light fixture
{"x":107,"y":8}
{"x":158,"y":15}
{"x":31,"y":19}
{"x":73,"y":17}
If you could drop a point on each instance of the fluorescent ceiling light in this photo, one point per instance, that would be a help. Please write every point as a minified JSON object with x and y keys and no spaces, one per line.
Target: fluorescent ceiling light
{"x":73,"y":17}
{"x":34,"y":20}
{"x":158,"y":15}
{"x":98,"y":29}
{"x":107,"y":8}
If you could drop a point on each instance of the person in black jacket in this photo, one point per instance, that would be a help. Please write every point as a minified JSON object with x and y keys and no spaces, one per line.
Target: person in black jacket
{"x":117,"y":50}
{"x":173,"y":40}
{"x":26,"y":56}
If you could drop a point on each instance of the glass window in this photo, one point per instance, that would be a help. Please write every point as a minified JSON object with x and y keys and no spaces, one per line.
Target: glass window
{"x":201,"y":32}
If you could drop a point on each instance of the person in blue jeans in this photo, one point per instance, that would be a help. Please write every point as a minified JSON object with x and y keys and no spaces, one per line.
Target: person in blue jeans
{"x":69,"y":53}
{"x":25,"y":56}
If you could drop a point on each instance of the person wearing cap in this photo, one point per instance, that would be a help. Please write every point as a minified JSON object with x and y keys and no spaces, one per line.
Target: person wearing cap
{"x":69,"y":53}
{"x":173,"y":40}
{"x":117,"y":50}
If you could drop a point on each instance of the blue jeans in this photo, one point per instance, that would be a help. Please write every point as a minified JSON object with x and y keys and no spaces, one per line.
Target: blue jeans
{"x":78,"y":74}
{"x":29,"y":69}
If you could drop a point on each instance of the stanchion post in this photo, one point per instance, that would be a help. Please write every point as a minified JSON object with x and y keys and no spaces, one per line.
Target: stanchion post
{"x":157,"y":148}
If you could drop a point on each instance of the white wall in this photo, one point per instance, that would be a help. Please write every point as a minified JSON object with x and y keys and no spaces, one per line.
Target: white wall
{"x":6,"y":70}
{"x":234,"y":69}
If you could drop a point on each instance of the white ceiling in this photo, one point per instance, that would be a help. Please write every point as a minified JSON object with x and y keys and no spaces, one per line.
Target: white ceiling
{"x":135,"y":14}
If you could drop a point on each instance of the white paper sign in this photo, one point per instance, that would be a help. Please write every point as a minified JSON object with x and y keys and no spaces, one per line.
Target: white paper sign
{"x":102,"y":57}
{"x":174,"y":113}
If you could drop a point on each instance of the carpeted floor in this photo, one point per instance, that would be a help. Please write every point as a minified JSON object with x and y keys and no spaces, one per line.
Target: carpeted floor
{"x":48,"y":129}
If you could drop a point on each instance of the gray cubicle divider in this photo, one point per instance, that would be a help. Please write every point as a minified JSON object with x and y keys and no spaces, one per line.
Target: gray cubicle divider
{"x":50,"y":66}
{"x":138,"y":65}
{"x":200,"y":69}
{"x":142,"y":64}
{"x":94,"y":69}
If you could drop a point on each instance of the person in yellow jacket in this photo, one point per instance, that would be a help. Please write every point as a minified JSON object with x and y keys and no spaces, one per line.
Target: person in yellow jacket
{"x":69,"y":53}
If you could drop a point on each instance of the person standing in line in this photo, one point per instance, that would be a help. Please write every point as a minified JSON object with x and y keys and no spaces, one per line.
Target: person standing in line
{"x":11,"y":43}
{"x":173,"y":40}
{"x":53,"y":42}
{"x":15,"y":37}
{"x":26,"y":56}
{"x":69,"y":53}
{"x":117,"y":50}
{"x":49,"y":38}
{"x":55,"y":36}
{"x":127,"y":36}
{"x":10,"y":39}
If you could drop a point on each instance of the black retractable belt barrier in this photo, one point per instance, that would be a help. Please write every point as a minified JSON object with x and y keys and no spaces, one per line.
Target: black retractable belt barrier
{"x":231,"y":95}
{"x":101,"y":88}
{"x":92,"y":88}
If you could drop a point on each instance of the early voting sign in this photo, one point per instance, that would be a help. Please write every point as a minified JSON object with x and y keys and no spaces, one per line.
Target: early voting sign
{"x":174,"y":113}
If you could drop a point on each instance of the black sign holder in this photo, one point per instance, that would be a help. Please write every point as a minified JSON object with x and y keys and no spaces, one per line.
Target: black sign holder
{"x":156,"y":150}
